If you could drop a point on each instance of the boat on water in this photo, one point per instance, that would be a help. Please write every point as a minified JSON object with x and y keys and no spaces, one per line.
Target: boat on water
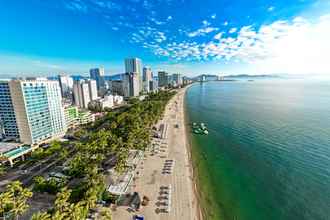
{"x":199,"y":128}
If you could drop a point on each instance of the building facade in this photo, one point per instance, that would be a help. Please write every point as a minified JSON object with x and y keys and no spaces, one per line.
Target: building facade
{"x":38,"y":109}
{"x":66,"y":84}
{"x":98,"y":75}
{"x":147,"y":78}
{"x":134,"y":65}
{"x":8,"y":124}
{"x":92,"y":86}
{"x":117,"y":87}
{"x":71,"y":115}
{"x":82,"y":94}
{"x":177,"y":79}
{"x":163,"y":79}
{"x":131,"y":85}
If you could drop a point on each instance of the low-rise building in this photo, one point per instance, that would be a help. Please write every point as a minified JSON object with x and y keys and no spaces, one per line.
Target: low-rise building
{"x":106,"y":102}
{"x":71,"y":115}
{"x":86,"y":117}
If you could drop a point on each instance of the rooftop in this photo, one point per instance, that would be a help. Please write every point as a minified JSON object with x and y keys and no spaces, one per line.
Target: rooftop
{"x":8,"y":146}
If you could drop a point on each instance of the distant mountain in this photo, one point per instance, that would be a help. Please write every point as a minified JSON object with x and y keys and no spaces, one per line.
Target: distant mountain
{"x":252,"y":76}
{"x":118,"y":76}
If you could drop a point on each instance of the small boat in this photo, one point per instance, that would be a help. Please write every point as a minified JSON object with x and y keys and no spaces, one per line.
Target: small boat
{"x":200,"y":128}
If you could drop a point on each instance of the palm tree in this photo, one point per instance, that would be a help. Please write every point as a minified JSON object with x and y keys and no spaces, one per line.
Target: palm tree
{"x":62,"y":200}
{"x":41,"y":216}
{"x":105,"y":214}
{"x":5,"y":202}
{"x":19,"y":195}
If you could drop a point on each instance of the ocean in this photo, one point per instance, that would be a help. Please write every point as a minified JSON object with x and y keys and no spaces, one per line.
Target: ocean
{"x":267,"y":155}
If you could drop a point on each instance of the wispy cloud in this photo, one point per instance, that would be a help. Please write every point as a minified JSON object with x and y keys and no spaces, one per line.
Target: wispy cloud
{"x":202,"y":31}
{"x":232,"y":30}
{"x":271,"y":8}
{"x":76,"y":5}
{"x":110,"y":5}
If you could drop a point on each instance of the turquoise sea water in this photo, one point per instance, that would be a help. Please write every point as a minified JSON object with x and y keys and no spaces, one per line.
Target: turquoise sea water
{"x":267,"y":155}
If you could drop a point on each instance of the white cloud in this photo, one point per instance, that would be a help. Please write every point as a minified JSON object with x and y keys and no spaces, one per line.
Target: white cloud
{"x":213,"y":16}
{"x":76,"y":5}
{"x":232,"y":30}
{"x":225,"y":23}
{"x":154,"y":20}
{"x":296,"y":46}
{"x":271,"y":8}
{"x":202,"y":31}
{"x":169,"y":18}
{"x":206,"y":23}
{"x":218,"y":36}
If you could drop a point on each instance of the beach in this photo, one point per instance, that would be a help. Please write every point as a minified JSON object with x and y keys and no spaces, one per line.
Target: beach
{"x":173,"y":146}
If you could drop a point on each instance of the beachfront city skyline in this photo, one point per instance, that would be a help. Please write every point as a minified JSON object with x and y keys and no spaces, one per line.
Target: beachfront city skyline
{"x":164,"y":109}
{"x":240,"y":37}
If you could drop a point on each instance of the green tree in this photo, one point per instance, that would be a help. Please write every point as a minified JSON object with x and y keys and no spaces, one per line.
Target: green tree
{"x":41,"y":216}
{"x":105,"y":214}
{"x":19,"y":196}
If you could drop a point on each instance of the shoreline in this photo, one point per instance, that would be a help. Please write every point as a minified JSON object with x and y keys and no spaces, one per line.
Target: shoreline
{"x":150,"y":179}
{"x":193,"y":171}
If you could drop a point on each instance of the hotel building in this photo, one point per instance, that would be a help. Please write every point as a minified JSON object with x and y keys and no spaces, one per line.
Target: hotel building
{"x":38,"y":109}
{"x":8,"y":125}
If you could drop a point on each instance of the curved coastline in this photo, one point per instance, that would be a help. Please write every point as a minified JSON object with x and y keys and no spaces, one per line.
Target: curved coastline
{"x":202,"y":194}
{"x":199,"y":208}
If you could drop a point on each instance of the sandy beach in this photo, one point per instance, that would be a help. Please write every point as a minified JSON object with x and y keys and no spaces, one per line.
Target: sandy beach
{"x":183,"y":204}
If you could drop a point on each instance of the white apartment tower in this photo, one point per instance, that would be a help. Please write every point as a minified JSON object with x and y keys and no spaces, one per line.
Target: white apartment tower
{"x":81,"y":94}
{"x":92,"y":85}
{"x":84,"y":91}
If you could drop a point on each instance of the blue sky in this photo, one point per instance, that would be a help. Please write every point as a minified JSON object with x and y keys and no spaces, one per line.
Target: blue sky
{"x":211,"y":36}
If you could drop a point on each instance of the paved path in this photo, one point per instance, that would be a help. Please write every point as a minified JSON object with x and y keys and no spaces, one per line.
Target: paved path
{"x":183,"y":201}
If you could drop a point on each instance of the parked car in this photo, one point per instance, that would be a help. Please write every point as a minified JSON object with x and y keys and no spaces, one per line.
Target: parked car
{"x":138,"y":217}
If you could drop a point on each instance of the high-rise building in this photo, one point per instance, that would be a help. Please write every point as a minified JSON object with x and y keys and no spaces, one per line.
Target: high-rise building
{"x":81,"y":94}
{"x":134,"y":65}
{"x":163,"y":79}
{"x":153,"y":85}
{"x":177,"y":79}
{"x":131,"y":84}
{"x":186,"y":80}
{"x":92,"y":89}
{"x":98,"y":75}
{"x":38,"y":109}
{"x":147,"y":78}
{"x":8,"y":125}
{"x":117,"y":87}
{"x":66,"y":84}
